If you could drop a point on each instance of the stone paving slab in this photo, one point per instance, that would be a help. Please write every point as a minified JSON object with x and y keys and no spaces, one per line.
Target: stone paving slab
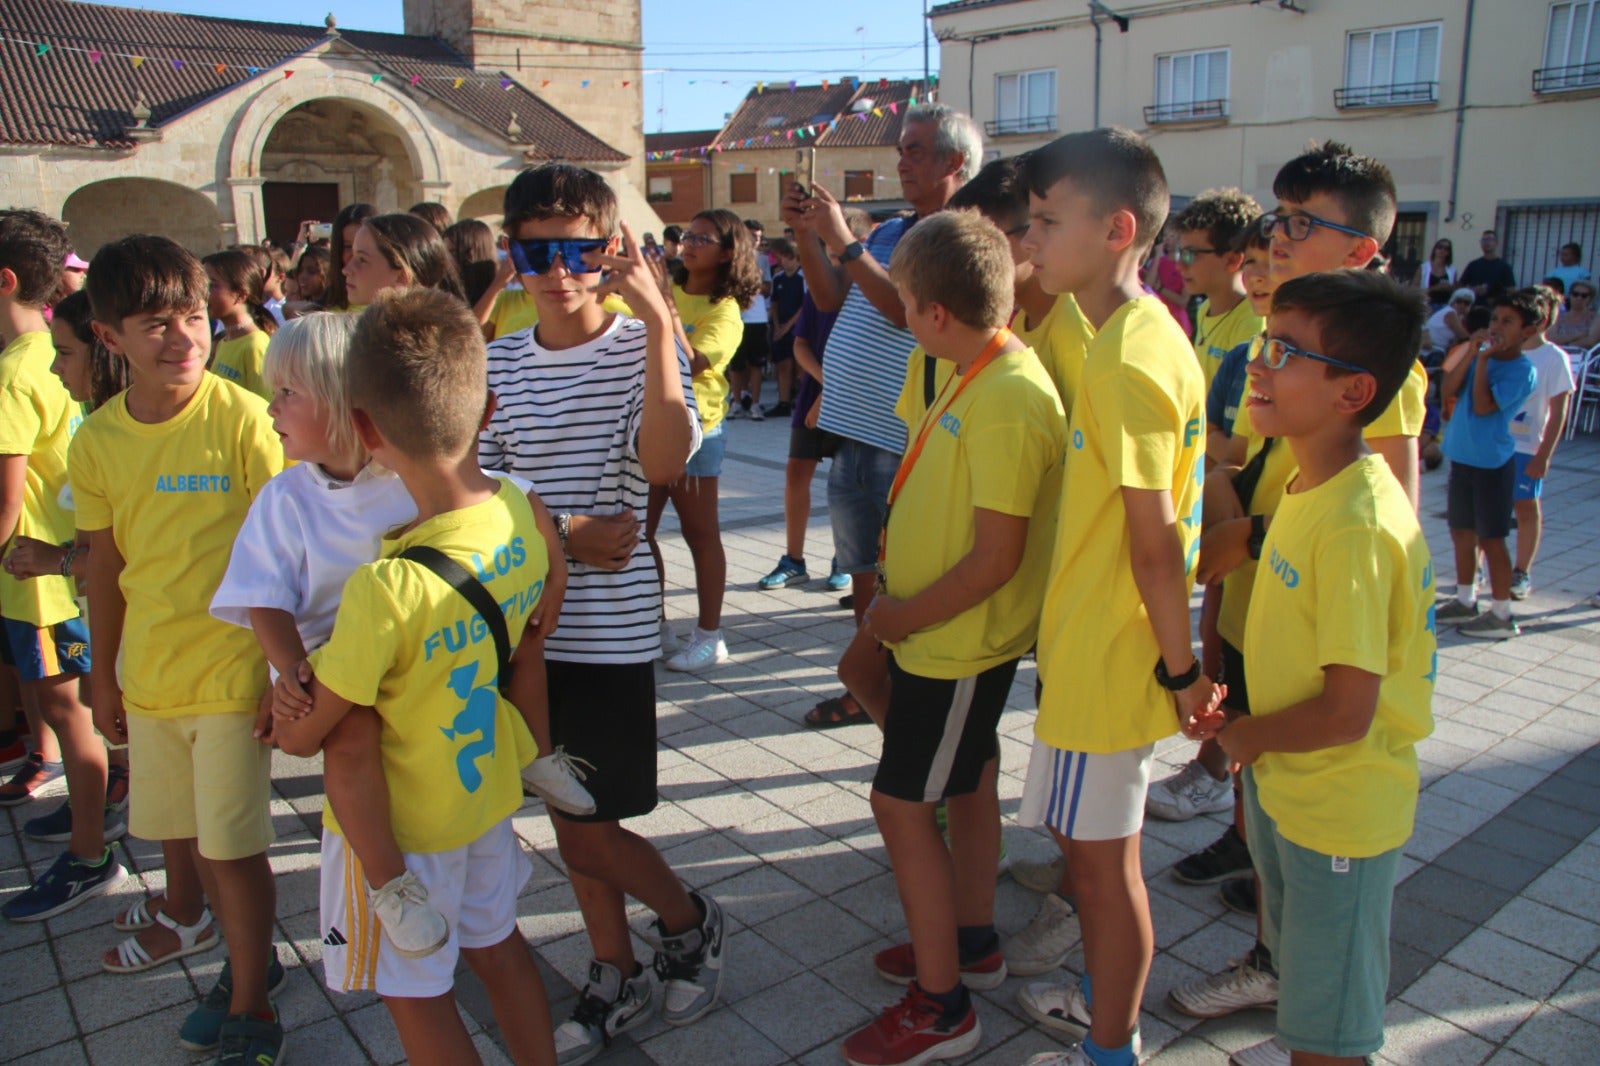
{"x":1496,"y":934}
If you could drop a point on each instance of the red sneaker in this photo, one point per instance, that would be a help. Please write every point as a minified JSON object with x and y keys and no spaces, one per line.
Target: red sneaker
{"x":898,"y":965}
{"x":911,"y":1033}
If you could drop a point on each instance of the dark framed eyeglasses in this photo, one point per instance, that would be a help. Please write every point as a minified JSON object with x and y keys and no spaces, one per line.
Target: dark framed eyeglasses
{"x":1275,"y":352}
{"x":1187,"y":256}
{"x":538,"y":255}
{"x":1298,"y":226}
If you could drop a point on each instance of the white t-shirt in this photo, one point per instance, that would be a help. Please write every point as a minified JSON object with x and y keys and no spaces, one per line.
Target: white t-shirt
{"x":1554,"y":378}
{"x":568,"y":421}
{"x":757,"y":311}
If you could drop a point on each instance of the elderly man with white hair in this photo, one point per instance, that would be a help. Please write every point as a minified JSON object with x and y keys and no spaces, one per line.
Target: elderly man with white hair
{"x":865,"y":366}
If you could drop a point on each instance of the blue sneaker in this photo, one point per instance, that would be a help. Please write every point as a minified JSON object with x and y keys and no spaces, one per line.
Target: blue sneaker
{"x":246,"y":1040}
{"x":838,"y":582}
{"x":789,"y":572}
{"x":67,"y":883}
{"x":56,"y":827}
{"x":202,"y":1029}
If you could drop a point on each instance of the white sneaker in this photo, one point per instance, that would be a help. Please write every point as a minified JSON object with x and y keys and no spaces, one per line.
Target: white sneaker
{"x":1189,"y":792}
{"x":703,"y":650}
{"x":555,"y":779}
{"x":1266,"y":1053}
{"x":670,"y":644}
{"x":1073,"y":1056}
{"x":1039,"y":877}
{"x":607,"y":1006}
{"x":1047,"y":941}
{"x":1058,"y":1007}
{"x":1242,"y":986}
{"x":410,"y":922}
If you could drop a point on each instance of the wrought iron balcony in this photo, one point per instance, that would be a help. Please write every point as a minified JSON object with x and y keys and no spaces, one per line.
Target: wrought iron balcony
{"x":1398,"y":94}
{"x":1192,"y":111}
{"x":1003,"y":127}
{"x":1566,"y":79}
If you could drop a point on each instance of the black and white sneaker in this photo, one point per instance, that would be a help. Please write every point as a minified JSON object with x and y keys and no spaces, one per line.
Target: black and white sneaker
{"x":607,"y":1006}
{"x":690,"y":965}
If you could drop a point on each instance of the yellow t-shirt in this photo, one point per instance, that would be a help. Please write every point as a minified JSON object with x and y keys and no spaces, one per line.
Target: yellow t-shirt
{"x":1349,"y":582}
{"x":1138,"y":422}
{"x":174,"y":495}
{"x":239,"y":360}
{"x":999,"y":447}
{"x":37,"y":419}
{"x":1061,"y":338}
{"x":413,"y":648}
{"x":1402,"y":418}
{"x":714,"y":330}
{"x":515,"y":310}
{"x":1217,"y":335}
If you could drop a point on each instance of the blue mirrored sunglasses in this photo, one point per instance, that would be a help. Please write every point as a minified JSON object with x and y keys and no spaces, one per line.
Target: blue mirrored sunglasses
{"x":538,"y":255}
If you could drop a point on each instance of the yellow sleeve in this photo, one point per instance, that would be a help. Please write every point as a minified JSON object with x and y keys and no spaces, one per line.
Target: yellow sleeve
{"x":254,"y":360}
{"x":366,"y":637}
{"x":1008,"y":461}
{"x":1404,"y":415}
{"x":1140,"y":427}
{"x":1354,"y":576}
{"x":92,"y":507}
{"x":20,"y":422}
{"x":909,"y":405}
{"x":717,"y":334}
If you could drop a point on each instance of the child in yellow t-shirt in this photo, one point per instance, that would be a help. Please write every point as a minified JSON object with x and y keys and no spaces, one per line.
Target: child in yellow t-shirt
{"x":178,"y":457}
{"x":236,"y":300}
{"x":412,"y":646}
{"x":965,"y":553}
{"x":1341,"y":655}
{"x":1211,"y":267}
{"x":42,"y":635}
{"x":1115,"y":662}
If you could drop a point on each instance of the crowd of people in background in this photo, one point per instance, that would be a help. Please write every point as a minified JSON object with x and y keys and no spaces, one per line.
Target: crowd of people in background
{"x":418,"y":469}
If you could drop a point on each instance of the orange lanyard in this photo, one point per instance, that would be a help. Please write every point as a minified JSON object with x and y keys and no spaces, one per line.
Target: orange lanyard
{"x":930,"y":419}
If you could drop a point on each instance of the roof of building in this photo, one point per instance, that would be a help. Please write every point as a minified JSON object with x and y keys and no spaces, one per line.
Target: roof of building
{"x":678,"y":140}
{"x":82,"y":90}
{"x":766,"y":116}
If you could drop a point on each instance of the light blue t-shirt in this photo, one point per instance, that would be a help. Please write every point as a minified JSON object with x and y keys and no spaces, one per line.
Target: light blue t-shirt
{"x":1570,"y":275}
{"x":1485,"y":440}
{"x":867,"y":360}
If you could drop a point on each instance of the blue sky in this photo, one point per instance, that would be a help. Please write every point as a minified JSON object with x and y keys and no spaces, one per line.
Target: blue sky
{"x":703,"y":58}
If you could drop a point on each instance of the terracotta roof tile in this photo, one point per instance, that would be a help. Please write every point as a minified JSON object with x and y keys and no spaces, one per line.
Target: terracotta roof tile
{"x":678,"y":140}
{"x":764,"y":117}
{"x":854,"y":131}
{"x":63,"y":98}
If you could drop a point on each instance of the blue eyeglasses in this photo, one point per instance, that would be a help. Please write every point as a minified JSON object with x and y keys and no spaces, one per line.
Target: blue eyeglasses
{"x":538,"y":255}
{"x":1298,"y":227}
{"x":1274,"y":352}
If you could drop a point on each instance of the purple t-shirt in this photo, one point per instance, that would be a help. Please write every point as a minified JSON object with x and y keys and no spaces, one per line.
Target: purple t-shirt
{"x":814,"y":326}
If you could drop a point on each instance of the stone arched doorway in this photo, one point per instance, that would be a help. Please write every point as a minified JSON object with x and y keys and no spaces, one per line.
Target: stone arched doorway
{"x":104,"y":211}
{"x":332,"y":151}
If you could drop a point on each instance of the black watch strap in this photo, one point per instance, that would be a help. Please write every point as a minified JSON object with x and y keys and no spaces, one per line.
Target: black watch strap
{"x":852,"y":251}
{"x":1179,"y":683}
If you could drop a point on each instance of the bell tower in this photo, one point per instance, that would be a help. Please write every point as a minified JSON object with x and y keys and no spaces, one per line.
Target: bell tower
{"x":552,"y":47}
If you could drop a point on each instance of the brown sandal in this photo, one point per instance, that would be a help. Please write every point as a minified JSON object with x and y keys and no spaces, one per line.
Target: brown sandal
{"x":835,"y":712}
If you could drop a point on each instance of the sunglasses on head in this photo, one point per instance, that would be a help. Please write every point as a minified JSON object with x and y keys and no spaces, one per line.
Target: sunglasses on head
{"x":536,"y":256}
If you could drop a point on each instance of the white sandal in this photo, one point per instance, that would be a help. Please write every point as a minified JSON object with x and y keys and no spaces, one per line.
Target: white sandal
{"x":132,"y":957}
{"x":136,"y":918}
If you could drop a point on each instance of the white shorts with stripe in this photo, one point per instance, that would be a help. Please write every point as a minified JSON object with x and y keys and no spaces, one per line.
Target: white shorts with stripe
{"x":1086,"y":795}
{"x":475,"y":888}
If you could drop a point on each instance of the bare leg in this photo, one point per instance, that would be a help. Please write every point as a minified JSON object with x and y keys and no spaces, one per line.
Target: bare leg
{"x":925,"y":878}
{"x":431,"y":1030}
{"x":1530,"y":529}
{"x":1117,"y":938}
{"x":864,"y":670}
{"x":1499,"y":559}
{"x":358,"y":793}
{"x":85,"y":758}
{"x":249,"y":898}
{"x":785,"y":376}
{"x":797,"y":474}
{"x":183,"y":901}
{"x":1465,"y":542}
{"x":605,"y":863}
{"x":516,"y":994}
{"x":695,"y":500}
{"x":975,"y":846}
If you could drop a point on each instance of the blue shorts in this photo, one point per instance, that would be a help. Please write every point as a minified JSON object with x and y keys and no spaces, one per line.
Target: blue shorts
{"x":40,"y":653}
{"x":707,"y":462}
{"x":1527,"y":488}
{"x":858,"y":497}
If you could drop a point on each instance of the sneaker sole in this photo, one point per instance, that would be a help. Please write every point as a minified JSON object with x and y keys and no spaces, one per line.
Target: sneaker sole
{"x":954,"y":1048}
{"x":1193,"y":1012}
{"x":1481,"y":635}
{"x":987,"y":981}
{"x":1172,"y":814}
{"x":696,"y":669}
{"x":551,"y":801}
{"x":1216,"y":879}
{"x":417,"y":953}
{"x":1061,"y":1023}
{"x":82,"y":897}
{"x":786,"y":583}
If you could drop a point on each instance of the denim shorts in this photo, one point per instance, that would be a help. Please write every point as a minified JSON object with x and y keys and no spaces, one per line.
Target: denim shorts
{"x":707,"y":462}
{"x":858,"y":497}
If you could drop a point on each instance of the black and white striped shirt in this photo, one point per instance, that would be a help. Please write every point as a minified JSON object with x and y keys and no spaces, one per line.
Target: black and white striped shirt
{"x":568,"y":421}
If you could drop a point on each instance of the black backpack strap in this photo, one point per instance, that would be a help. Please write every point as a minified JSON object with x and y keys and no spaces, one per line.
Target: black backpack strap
{"x":459,"y":578}
{"x":1245,"y":481}
{"x":929,"y":365}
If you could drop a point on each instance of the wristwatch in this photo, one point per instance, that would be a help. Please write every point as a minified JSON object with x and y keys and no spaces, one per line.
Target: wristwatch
{"x":852,"y":251}
{"x":1258,"y":535}
{"x":563,"y":527}
{"x":1179,"y":683}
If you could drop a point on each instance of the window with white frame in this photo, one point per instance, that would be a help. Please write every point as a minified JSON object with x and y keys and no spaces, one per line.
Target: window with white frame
{"x":1391,"y":67}
{"x":1190,"y":86}
{"x":1024,"y":102}
{"x":1571,"y":48}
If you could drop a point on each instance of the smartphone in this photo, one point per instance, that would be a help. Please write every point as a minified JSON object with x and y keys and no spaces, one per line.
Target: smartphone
{"x":805,"y":168}
{"x":321,"y":231}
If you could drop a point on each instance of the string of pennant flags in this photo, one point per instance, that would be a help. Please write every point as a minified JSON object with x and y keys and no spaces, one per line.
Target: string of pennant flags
{"x":780,"y":138}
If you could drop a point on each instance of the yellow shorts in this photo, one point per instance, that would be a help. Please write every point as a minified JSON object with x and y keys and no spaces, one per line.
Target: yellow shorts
{"x":200,"y":776}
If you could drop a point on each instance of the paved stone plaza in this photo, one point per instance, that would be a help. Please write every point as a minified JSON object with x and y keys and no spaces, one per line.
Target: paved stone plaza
{"x":1496,"y":924}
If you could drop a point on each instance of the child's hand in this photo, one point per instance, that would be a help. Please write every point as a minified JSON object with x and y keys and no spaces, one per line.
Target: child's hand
{"x":886,"y":619}
{"x":604,"y":541}
{"x":641,"y":280}
{"x":1200,"y":713}
{"x":290,"y":697}
{"x":33,"y":558}
{"x":109,"y":717}
{"x":827,"y":220}
{"x":1235,"y":742}
{"x":263,"y":727}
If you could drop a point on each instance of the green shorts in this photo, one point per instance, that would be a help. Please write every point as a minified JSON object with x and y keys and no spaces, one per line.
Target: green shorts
{"x":1326,"y":921}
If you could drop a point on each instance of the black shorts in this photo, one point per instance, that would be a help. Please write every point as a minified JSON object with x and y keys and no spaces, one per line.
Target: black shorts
{"x":939,"y":734}
{"x":1233,"y":676}
{"x":605,"y":714}
{"x":783,"y":348}
{"x":808,"y":443}
{"x":752,"y":350}
{"x":1480,"y":498}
